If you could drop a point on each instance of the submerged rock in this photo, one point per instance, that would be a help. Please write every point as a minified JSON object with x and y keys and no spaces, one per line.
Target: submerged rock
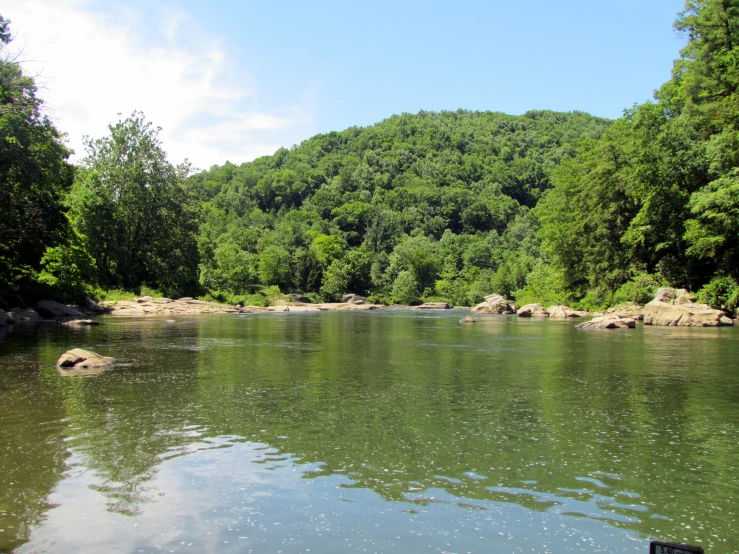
{"x":468,"y":319}
{"x":79,"y":323}
{"x":608,"y":322}
{"x":532,"y":310}
{"x":495,"y":304}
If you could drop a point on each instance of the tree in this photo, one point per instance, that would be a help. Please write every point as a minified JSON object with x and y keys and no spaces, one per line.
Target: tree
{"x":34,"y":177}
{"x":138,"y":218}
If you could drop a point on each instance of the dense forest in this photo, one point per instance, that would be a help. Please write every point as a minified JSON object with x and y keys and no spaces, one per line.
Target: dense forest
{"x":548,"y":207}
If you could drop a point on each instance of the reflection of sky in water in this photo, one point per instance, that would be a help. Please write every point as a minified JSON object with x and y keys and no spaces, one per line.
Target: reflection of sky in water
{"x":229,"y":496}
{"x":394,"y":432}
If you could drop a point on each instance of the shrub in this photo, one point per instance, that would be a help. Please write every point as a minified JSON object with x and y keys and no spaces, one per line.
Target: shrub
{"x":639,"y":289}
{"x":720,"y":293}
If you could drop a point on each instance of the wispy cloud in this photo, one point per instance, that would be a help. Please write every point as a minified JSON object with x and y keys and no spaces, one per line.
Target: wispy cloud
{"x":95,"y":64}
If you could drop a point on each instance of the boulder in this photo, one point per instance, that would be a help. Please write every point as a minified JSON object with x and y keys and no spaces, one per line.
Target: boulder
{"x":562,"y":312}
{"x":658,"y":312}
{"x":92,"y":307}
{"x":668,"y":295}
{"x":78,"y":358}
{"x":435,"y":306}
{"x":635,"y":311}
{"x":299,"y":298}
{"x":495,"y":304}
{"x":49,"y":308}
{"x":468,"y":319}
{"x":532,"y":310}
{"x":21,"y":314}
{"x":5,"y":319}
{"x":352,"y":299}
{"x":608,"y":322}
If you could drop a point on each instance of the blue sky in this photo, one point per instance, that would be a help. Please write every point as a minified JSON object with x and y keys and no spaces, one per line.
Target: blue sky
{"x":234,"y":80}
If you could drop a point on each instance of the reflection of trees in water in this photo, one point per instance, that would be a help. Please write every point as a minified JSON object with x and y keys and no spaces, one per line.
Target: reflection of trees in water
{"x":127,"y":419}
{"x":32,"y":451}
{"x":500,"y":412}
{"x":546,"y":419}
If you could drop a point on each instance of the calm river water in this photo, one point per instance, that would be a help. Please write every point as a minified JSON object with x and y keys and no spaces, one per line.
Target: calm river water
{"x":395,"y":431}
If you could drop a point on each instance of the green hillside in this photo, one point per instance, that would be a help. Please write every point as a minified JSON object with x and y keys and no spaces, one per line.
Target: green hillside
{"x":432,"y":204}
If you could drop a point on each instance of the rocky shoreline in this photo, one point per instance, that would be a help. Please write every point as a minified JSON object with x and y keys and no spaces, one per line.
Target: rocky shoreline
{"x":670,"y":307}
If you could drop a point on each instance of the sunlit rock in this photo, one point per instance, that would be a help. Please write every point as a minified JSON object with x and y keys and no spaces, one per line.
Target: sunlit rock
{"x":495,"y":304}
{"x":608,"y":322}
{"x":435,"y":306}
{"x":562,"y":312}
{"x":532,"y":310}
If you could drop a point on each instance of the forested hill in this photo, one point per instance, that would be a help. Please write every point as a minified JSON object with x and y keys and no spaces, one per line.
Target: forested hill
{"x":425,"y":205}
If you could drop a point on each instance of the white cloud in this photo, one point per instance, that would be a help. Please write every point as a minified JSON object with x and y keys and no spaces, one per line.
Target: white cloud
{"x":94,"y":65}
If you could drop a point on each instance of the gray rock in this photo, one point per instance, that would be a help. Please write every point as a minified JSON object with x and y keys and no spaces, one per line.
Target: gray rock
{"x":21,"y":314}
{"x":49,"y":308}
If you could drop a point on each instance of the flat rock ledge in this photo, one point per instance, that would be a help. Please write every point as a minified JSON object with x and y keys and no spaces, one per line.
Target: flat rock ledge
{"x":495,"y":304}
{"x":147,"y":305}
{"x":435,"y":306}
{"x":678,"y":308}
{"x":608,"y":322}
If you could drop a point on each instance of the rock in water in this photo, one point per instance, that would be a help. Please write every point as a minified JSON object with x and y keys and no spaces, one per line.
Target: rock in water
{"x":435,"y":306}
{"x":635,"y":311}
{"x":495,"y":304}
{"x":468,"y":319}
{"x":608,"y":322}
{"x":49,"y":308}
{"x":5,"y":319}
{"x":677,"y":307}
{"x":532,"y":310}
{"x":78,"y":358}
{"x":561,"y":312}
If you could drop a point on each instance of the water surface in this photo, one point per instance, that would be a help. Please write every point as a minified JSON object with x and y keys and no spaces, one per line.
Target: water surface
{"x":369,"y":432}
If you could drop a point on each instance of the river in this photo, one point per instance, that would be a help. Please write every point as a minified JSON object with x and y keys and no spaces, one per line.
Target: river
{"x":393,"y":431}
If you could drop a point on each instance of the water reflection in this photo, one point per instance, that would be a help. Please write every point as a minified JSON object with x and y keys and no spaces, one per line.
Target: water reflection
{"x":408,"y":432}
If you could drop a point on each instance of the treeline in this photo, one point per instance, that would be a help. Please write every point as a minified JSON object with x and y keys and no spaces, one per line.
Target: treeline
{"x":549,"y":207}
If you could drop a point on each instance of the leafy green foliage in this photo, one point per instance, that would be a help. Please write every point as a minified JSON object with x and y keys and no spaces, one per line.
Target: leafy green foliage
{"x":34,"y":177}
{"x":442,"y":196}
{"x":658,"y":194}
{"x":137,"y":217}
